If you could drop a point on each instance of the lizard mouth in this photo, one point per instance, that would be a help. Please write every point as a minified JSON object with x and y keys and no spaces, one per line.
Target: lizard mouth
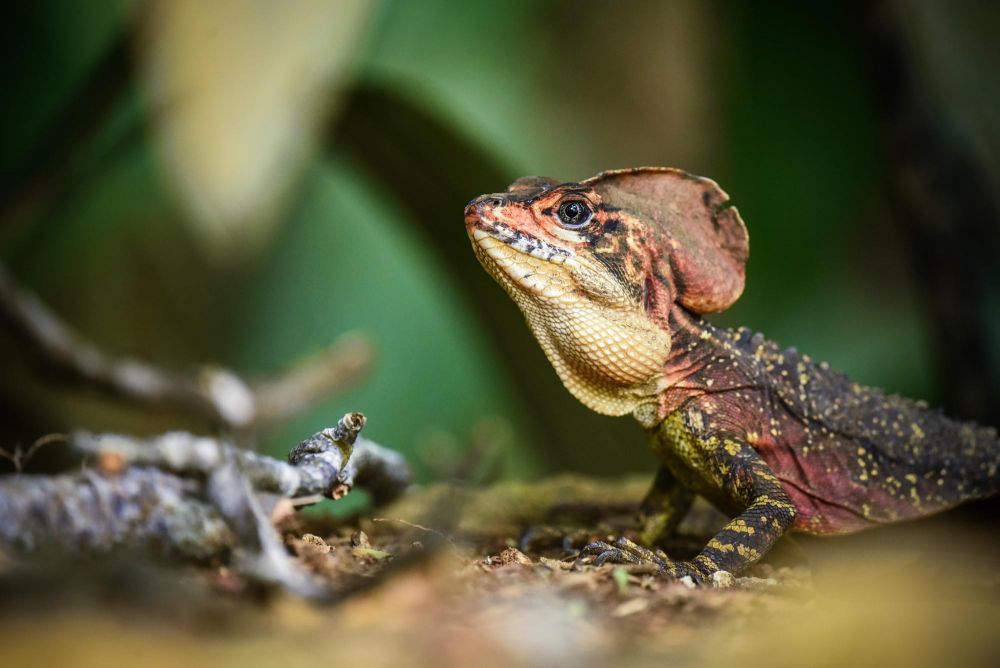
{"x":481,"y":230}
{"x":520,"y":261}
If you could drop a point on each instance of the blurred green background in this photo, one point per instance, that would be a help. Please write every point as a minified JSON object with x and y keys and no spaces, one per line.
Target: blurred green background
{"x":242,"y":182}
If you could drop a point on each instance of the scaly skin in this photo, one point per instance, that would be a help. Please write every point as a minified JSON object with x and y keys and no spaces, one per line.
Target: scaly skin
{"x":614,"y":274}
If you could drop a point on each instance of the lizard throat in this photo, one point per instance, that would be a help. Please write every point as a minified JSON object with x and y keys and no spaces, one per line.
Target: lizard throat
{"x":611,"y":359}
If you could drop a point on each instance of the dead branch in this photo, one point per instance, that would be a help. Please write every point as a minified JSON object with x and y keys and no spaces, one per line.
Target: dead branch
{"x":191,"y":497}
{"x":214,"y":394}
{"x":328,"y":463}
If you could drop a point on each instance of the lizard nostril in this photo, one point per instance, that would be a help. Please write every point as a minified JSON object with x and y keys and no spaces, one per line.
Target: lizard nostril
{"x":484,"y":203}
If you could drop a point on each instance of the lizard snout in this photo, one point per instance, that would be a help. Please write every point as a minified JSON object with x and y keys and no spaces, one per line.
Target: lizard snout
{"x":484,"y":203}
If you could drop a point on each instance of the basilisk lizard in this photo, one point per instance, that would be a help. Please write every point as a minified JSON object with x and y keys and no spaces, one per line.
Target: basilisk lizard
{"x":613,"y":275}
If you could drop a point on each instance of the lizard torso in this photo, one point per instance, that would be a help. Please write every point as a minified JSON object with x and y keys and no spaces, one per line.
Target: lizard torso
{"x":848,"y":456}
{"x":614,"y":274}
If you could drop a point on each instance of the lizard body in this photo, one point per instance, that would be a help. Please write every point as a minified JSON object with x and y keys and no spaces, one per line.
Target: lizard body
{"x":614,"y":275}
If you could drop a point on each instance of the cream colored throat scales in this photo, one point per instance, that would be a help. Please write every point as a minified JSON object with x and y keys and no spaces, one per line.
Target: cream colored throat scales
{"x":606,"y":350}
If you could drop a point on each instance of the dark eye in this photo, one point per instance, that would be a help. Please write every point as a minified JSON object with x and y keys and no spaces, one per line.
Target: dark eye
{"x":574,"y":213}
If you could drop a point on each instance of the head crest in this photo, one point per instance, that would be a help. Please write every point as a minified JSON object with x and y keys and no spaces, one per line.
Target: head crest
{"x":705,"y":241}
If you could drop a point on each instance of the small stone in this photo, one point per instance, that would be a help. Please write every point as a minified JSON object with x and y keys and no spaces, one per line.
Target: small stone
{"x":688,"y":582}
{"x":630,"y":607}
{"x":512,"y":555}
{"x":722,"y":580}
{"x":314,"y":544}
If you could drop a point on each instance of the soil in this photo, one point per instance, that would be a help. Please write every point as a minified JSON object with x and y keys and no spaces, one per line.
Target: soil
{"x":416,"y":589}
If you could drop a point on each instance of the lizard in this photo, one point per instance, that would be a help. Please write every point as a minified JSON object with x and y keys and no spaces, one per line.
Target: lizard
{"x":615,"y":275}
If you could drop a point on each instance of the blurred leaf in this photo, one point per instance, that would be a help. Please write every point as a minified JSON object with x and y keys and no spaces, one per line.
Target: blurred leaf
{"x":237,"y":87}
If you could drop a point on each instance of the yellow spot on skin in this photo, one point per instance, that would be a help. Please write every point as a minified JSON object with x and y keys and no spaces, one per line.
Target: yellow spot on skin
{"x":707,"y":561}
{"x":918,"y":433}
{"x":752,"y":437}
{"x":911,"y":477}
{"x":719,"y":546}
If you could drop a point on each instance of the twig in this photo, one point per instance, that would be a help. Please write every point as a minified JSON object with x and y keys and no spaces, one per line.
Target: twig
{"x":19,"y":457}
{"x":91,"y":511}
{"x":330,"y":462}
{"x":340,"y":365}
{"x":419,"y":527}
{"x":214,"y":394}
{"x":191,"y":497}
{"x":259,"y":552}
{"x":382,"y":472}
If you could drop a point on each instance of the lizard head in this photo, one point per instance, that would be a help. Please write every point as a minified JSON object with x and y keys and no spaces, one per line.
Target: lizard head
{"x":597,"y":266}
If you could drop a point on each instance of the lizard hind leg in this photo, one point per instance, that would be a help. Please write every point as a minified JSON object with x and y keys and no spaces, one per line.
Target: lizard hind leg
{"x":665,"y":505}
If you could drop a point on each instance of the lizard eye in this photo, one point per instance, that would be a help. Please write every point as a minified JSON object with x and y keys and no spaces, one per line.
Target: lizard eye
{"x":574,"y":213}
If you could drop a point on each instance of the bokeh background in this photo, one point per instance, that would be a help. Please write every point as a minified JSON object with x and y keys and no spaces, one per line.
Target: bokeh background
{"x":241,"y":183}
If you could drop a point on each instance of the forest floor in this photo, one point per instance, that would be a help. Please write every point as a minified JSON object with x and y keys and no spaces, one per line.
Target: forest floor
{"x":478,"y":594}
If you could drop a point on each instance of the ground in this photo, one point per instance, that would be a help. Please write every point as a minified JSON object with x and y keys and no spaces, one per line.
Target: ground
{"x":464,"y":593}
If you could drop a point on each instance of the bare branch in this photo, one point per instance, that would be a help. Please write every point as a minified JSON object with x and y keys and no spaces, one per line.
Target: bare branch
{"x":215,"y":395}
{"x":19,"y":456}
{"x":344,"y":362}
{"x":191,"y":497}
{"x":329,"y":463}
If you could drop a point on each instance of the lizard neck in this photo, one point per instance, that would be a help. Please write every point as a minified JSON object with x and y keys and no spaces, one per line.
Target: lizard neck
{"x":704,"y":359}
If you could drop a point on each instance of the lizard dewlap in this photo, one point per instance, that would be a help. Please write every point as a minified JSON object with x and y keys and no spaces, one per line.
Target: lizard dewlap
{"x":614,"y":274}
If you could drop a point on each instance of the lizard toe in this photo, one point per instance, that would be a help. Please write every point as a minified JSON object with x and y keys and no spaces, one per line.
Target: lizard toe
{"x":626,"y":552}
{"x":623,"y":551}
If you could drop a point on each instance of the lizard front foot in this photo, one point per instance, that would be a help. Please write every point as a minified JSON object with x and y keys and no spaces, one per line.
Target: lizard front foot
{"x":624,"y":551}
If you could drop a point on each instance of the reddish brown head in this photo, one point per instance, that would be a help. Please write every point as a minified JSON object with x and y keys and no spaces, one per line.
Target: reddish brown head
{"x":596,"y":267}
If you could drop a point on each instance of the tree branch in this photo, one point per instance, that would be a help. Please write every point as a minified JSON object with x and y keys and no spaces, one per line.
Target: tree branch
{"x":216,"y":395}
{"x":191,"y":497}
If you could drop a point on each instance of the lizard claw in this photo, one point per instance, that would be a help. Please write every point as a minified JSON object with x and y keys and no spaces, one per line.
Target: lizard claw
{"x":624,"y":551}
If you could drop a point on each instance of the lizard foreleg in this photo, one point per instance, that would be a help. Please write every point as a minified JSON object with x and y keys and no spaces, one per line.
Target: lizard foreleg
{"x":745,"y":482}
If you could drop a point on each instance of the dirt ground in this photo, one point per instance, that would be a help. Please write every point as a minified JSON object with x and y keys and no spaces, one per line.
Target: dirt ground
{"x":476,"y":587}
